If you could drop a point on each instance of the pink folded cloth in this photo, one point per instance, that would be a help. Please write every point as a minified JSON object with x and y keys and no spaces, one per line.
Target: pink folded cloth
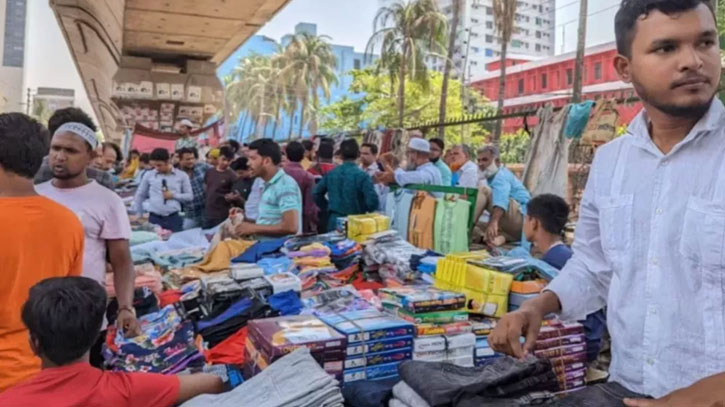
{"x":146,"y":276}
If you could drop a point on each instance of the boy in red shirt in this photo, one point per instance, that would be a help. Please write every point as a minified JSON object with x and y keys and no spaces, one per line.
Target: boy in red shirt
{"x":64,"y":317}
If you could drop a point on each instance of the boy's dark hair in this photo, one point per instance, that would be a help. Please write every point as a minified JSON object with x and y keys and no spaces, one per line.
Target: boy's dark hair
{"x":440,"y":143}
{"x":145,"y":158}
{"x":234,"y":144}
{"x":160,"y":154}
{"x":625,"y":22}
{"x":295,"y":151}
{"x":551,"y":210}
{"x":240,"y":164}
{"x":373,"y":148}
{"x":64,"y":315}
{"x":116,"y":148}
{"x":308,"y":145}
{"x":67,"y":115}
{"x":326,"y":150}
{"x":349,"y":149}
{"x":267,"y":148}
{"x":134,"y":151}
{"x":23,"y":144}
{"x":188,"y":150}
{"x":226,"y":152}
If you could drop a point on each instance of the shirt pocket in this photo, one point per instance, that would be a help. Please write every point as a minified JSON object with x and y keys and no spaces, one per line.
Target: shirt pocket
{"x":615,"y":225}
{"x":703,"y":234}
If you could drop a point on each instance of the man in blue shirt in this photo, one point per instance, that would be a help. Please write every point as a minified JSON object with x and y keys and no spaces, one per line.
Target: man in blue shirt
{"x":504,"y":198}
{"x":437,"y":146}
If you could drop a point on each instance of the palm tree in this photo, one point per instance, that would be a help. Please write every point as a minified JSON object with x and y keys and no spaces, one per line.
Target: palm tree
{"x":309,"y":69}
{"x":449,"y":65}
{"x":504,"y":14}
{"x":409,"y":30}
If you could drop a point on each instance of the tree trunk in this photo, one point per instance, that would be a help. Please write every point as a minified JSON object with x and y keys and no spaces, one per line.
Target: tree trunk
{"x":262,"y":119}
{"x":291,"y":124}
{"x":576,"y":95}
{"x":449,"y":66}
{"x":245,"y":116}
{"x":501,"y":92}
{"x":302,"y":115}
{"x":401,"y":87}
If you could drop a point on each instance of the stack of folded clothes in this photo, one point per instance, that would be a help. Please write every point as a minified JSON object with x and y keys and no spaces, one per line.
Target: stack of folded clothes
{"x":564,"y":344}
{"x":455,"y":349}
{"x":295,"y":380}
{"x":270,"y":339}
{"x":376,"y":343}
{"x":218,"y":327}
{"x":146,"y":276}
{"x":166,"y":345}
{"x":506,"y":382}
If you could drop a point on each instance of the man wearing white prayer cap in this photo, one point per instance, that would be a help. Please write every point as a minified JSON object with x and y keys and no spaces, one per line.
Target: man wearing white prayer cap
{"x":419,"y":170}
{"x":186,"y":140}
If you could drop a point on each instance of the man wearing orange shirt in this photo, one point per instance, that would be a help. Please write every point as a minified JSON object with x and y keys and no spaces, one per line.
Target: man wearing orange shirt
{"x":38,"y":239}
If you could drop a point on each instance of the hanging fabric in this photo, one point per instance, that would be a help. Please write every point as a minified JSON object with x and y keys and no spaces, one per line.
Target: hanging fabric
{"x":420,"y":225}
{"x":602,"y":128}
{"x":451,"y":224}
{"x":547,"y":161}
{"x":578,"y":119}
{"x":397,"y":208}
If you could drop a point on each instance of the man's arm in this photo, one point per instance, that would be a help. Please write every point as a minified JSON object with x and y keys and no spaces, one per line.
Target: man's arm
{"x":372,"y":202}
{"x":288,"y":226}
{"x":187,"y":194}
{"x":404,"y":178}
{"x":193,"y":385}
{"x":124,"y":275}
{"x":319,"y":193}
{"x":469,"y":177}
{"x":142,"y":194}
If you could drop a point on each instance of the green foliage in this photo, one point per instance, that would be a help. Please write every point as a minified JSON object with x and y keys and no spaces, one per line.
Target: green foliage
{"x":514,"y":146}
{"x":345,"y":115}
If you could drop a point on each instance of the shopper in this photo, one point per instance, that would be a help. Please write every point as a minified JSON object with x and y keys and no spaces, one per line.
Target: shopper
{"x":309,"y":154}
{"x":167,"y":189}
{"x":465,"y":171}
{"x":324,"y":163}
{"x":280,"y":206}
{"x":420,"y":169}
{"x":194,"y":211}
{"x":370,"y":164}
{"x":243,"y":185}
{"x":653,"y":256}
{"x":219,"y":182}
{"x":185,"y":140}
{"x":295,"y":153}
{"x":64,"y":317}
{"x":38,"y":239}
{"x":437,"y":146}
{"x":102,"y":212}
{"x":349,"y":190}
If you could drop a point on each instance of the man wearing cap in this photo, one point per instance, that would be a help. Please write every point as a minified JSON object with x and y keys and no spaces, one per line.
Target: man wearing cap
{"x":419,"y":171}
{"x":186,"y":140}
{"x":101,"y":211}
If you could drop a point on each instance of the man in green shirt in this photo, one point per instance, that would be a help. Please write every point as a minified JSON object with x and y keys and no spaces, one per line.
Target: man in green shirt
{"x":349,"y":189}
{"x":437,"y":146}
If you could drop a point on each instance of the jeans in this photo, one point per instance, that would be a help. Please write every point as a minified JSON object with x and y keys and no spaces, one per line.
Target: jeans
{"x":173,"y":222}
{"x":368,"y":393}
{"x":602,"y":395}
{"x":594,"y":327}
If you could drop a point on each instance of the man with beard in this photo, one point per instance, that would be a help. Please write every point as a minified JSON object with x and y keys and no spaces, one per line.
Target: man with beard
{"x":194,"y":210}
{"x":505,"y":198}
{"x":650,"y":243}
{"x":419,"y":170}
{"x":101,"y":211}
{"x":437,"y":146}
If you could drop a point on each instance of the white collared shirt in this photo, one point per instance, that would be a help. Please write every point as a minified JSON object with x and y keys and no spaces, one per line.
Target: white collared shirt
{"x":650,"y":244}
{"x":468,"y":175}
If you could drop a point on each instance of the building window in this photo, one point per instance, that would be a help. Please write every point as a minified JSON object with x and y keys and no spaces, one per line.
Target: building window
{"x":538,"y":47}
{"x":489,"y":11}
{"x":489,"y":39}
{"x":516,"y":44}
{"x":489,"y":25}
{"x":538,"y":21}
{"x":521,"y":87}
{"x":569,"y":76}
{"x":538,"y":34}
{"x":544,"y":81}
{"x":357,"y":64}
{"x":598,"y":71}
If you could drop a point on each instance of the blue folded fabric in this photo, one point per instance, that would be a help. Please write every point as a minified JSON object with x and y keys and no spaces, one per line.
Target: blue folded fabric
{"x":259,"y":250}
{"x":275,"y":265}
{"x":577,"y":120}
{"x":233,"y":310}
{"x":286,"y":303}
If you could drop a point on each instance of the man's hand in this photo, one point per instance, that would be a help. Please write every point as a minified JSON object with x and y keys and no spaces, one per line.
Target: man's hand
{"x":387,"y":177}
{"x":505,"y":338}
{"x":245,"y":229}
{"x":492,"y":231}
{"x":128,"y":323}
{"x":707,"y":392}
{"x":168,"y":195}
{"x":233,"y":196}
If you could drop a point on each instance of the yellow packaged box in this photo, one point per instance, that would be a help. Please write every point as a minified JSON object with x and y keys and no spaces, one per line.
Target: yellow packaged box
{"x":360,"y":227}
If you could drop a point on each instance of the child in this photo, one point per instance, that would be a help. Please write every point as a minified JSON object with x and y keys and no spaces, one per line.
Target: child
{"x":219,"y":182}
{"x":64,"y":317}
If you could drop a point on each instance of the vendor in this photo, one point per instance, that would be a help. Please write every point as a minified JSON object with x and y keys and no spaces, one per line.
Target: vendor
{"x":654,"y":257}
{"x":186,"y":140}
{"x":505,"y":198}
{"x":420,"y":169}
{"x":280,"y":207}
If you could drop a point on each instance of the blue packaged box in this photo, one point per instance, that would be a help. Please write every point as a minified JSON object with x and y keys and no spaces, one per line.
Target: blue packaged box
{"x":379,"y":346}
{"x":393,"y":356}
{"x":380,"y":372}
{"x":368,"y":326}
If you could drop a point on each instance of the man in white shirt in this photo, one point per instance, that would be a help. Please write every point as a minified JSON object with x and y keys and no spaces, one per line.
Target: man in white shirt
{"x":650,"y":243}
{"x":420,"y":169}
{"x":467,"y":173}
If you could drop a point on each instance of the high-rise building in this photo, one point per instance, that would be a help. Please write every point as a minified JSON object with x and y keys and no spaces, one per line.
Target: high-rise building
{"x":52,"y":99}
{"x":12,"y":53}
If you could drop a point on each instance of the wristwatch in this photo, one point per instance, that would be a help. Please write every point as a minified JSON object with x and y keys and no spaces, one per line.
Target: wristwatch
{"x":129,"y":309}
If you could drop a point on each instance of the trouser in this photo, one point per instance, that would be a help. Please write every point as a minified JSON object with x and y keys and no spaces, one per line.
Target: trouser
{"x":173,"y":222}
{"x":602,"y":395}
{"x":594,"y":326}
{"x":512,"y":222}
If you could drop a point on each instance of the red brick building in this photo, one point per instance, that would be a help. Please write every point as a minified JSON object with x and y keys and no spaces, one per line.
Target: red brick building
{"x":530,"y":85}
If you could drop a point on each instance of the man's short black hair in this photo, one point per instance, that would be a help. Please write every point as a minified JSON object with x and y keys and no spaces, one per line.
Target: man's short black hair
{"x":349,"y":149}
{"x":68,"y":115}
{"x":308,"y":145}
{"x":145,"y":158}
{"x":234,"y":144}
{"x":295,"y":151}
{"x":116,"y":148}
{"x":188,"y":150}
{"x":440,"y":143}
{"x":160,"y":154}
{"x":227,"y":152}
{"x":326,"y":150}
{"x":64,"y":315}
{"x":373,"y":148}
{"x":240,"y":164}
{"x":23,"y":144}
{"x":625,"y":22}
{"x":551,"y":210}
{"x":267,"y":148}
{"x":134,"y":151}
